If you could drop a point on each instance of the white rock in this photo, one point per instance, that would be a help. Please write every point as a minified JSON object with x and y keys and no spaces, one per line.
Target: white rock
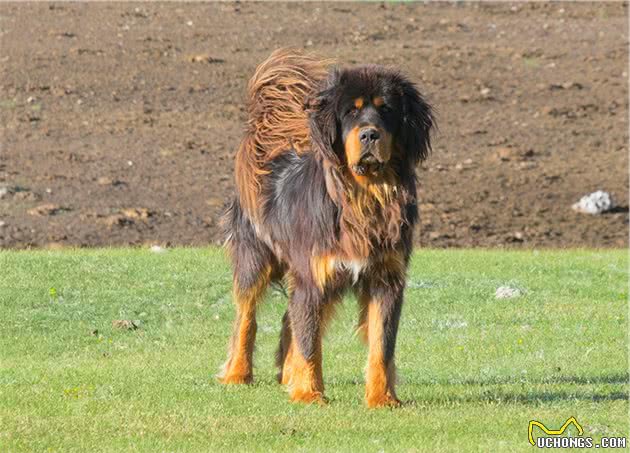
{"x":450,"y":324}
{"x":594,"y":203}
{"x":157,"y":249}
{"x":506,"y":292}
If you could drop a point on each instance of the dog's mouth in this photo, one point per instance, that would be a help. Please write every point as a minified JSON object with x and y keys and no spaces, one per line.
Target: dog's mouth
{"x":367,"y":156}
{"x":368,"y":168}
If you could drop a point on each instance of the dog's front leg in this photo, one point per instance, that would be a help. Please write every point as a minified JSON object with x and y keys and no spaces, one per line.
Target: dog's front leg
{"x":306,"y":314}
{"x":383,"y":316}
{"x":381,"y":299}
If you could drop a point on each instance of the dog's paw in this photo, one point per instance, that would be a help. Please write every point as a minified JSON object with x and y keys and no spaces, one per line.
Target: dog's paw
{"x":236,"y":379}
{"x":383,"y":400}
{"x":308,"y":397}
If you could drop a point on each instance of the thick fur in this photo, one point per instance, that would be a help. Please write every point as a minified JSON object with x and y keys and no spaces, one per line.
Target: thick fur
{"x":307,"y":214}
{"x":277,"y":120}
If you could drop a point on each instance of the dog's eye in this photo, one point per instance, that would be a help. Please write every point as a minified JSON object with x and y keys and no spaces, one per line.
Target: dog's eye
{"x":352,"y":111}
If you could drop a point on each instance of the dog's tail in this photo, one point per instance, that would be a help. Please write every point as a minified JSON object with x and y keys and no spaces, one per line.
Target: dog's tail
{"x":277,"y":119}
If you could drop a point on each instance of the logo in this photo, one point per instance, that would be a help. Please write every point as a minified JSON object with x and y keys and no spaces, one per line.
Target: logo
{"x":555,"y":439}
{"x":552,"y":432}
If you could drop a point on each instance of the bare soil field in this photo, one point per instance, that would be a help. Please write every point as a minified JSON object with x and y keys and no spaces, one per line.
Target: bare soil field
{"x":120,"y":120}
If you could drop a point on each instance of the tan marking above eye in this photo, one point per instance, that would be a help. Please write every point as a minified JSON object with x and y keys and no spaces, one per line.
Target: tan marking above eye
{"x":358,"y":103}
{"x":378,"y":101}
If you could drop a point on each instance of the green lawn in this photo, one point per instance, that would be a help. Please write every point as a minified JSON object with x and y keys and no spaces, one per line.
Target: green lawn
{"x":473,"y":370}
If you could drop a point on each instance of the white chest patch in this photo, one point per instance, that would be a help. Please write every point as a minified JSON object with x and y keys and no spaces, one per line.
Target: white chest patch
{"x":354,"y":266}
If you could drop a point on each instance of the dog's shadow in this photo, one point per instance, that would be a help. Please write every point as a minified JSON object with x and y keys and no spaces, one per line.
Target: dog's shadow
{"x":494,"y":391}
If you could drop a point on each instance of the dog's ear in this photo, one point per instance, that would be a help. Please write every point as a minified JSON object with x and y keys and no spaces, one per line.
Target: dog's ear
{"x":321,"y":108}
{"x":418,"y":122}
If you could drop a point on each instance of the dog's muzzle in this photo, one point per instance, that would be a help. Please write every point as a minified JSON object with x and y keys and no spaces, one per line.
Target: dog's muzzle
{"x":371,"y":160}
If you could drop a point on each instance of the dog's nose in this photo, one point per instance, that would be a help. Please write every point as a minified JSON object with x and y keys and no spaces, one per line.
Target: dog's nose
{"x":368,"y":135}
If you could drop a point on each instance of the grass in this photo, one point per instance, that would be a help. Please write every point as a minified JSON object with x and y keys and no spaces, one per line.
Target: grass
{"x":474,"y":370}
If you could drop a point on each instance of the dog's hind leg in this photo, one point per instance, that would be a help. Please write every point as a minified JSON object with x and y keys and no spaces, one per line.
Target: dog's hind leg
{"x":239,"y":367}
{"x":254,"y":268}
{"x":285,"y":351}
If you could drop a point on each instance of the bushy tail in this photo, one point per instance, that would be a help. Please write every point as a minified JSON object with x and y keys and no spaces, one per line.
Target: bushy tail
{"x":277,"y":118}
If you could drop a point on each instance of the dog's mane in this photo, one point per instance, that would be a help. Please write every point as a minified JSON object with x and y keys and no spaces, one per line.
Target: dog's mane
{"x":373,"y":213}
{"x":277,"y":118}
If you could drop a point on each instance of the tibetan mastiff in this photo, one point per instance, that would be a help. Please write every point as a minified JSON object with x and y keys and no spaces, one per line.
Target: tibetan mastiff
{"x":325,"y":203}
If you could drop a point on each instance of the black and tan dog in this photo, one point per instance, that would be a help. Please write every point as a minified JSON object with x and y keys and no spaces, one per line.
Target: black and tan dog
{"x":326,"y":202}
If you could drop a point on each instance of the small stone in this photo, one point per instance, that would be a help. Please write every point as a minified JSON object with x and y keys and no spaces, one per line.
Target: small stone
{"x":157,"y":249}
{"x":547,"y":110}
{"x":569,"y":85}
{"x":116,"y":220}
{"x":515,"y":236}
{"x":25,"y":195}
{"x":204,"y":58}
{"x":104,"y":181}
{"x":595,"y":203}
{"x":506,"y":292}
{"x":504,"y":154}
{"x":124,"y":324}
{"x":136,"y":213}
{"x":45,"y":209}
{"x":198,"y":58}
{"x":528,"y":165}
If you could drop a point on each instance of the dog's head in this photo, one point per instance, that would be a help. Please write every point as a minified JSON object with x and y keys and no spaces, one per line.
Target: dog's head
{"x":370,"y":118}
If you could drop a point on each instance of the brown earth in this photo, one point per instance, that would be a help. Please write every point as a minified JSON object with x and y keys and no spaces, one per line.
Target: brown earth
{"x":120,"y":120}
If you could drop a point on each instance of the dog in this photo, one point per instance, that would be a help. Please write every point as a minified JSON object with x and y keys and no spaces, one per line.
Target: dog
{"x":325,"y":203}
